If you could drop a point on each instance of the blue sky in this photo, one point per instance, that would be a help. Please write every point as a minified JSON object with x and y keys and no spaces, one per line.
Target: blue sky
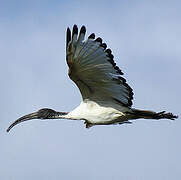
{"x":145,"y":39}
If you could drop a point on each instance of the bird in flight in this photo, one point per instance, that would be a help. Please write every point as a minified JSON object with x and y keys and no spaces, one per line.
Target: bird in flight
{"x":106,"y":96}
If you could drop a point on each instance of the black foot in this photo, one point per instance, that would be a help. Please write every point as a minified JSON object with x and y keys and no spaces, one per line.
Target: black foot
{"x":88,"y":124}
{"x":125,"y":122}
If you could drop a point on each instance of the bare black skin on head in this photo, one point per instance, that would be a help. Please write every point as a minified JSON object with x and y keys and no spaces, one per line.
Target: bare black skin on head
{"x":44,"y":113}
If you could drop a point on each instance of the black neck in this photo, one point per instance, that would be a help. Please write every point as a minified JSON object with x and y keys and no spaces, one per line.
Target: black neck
{"x":46,"y":113}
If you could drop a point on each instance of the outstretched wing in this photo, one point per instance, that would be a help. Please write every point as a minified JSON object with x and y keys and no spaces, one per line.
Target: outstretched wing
{"x":92,"y":68}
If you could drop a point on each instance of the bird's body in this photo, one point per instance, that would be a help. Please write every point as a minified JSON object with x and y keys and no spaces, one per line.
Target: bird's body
{"x":95,"y":113}
{"x":106,"y":96}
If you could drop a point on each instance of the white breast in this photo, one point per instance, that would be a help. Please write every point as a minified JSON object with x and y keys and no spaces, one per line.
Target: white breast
{"x":94,"y":113}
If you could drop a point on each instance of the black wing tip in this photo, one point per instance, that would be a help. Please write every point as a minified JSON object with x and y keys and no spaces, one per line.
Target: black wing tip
{"x":104,"y":45}
{"x":111,"y":60}
{"x":83,"y":30}
{"x":99,"y":40}
{"x":130,"y":90}
{"x":75,"y":30}
{"x":68,"y":35}
{"x":130,"y":102}
{"x":108,"y":51}
{"x":68,"y":29}
{"x":92,"y":36}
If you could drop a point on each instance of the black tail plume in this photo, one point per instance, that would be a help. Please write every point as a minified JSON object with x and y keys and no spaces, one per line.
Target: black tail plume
{"x":154,"y":115}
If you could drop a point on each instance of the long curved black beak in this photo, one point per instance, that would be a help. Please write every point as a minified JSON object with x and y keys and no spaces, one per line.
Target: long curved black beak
{"x":23,"y":118}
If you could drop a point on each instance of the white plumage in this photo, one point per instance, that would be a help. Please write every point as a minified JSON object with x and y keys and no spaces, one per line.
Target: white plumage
{"x":94,"y":113}
{"x":106,"y":97}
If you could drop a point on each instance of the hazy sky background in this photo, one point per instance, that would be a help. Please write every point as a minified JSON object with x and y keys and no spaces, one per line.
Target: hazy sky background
{"x":145,"y":37}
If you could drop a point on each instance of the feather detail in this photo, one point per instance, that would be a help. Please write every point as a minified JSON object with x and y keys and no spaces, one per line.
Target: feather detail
{"x":92,"y":68}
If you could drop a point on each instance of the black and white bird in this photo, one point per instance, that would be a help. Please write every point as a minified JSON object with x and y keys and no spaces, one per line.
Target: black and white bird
{"x":106,"y":96}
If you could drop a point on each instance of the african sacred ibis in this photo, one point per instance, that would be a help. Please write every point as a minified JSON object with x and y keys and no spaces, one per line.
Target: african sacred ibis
{"x":106,"y":96}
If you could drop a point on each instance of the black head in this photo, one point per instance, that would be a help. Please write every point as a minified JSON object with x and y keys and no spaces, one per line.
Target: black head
{"x":44,"y":113}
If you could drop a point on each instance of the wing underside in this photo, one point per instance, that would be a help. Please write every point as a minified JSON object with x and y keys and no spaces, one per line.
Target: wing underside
{"x":92,"y":68}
